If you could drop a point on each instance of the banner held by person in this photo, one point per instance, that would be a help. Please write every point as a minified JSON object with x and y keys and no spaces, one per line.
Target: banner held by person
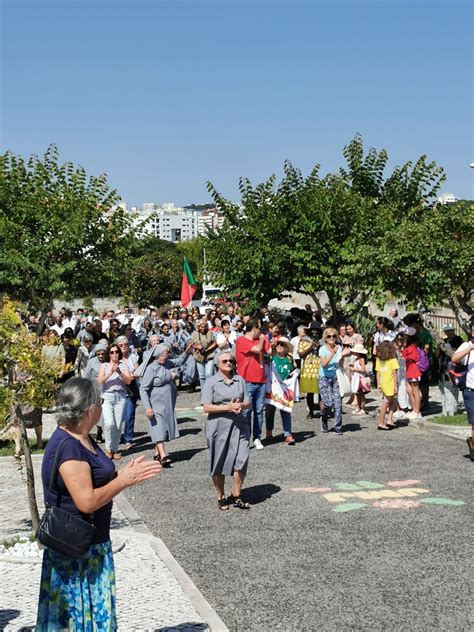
{"x":279,"y":393}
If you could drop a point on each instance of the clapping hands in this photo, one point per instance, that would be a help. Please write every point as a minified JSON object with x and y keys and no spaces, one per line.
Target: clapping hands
{"x":235,"y":406}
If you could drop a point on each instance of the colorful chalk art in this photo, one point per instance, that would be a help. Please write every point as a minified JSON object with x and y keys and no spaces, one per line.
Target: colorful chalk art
{"x":406,"y":494}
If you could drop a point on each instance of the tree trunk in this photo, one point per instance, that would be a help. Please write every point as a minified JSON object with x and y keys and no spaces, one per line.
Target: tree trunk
{"x":30,"y":477}
{"x":335,"y":315}
{"x":315,"y":298}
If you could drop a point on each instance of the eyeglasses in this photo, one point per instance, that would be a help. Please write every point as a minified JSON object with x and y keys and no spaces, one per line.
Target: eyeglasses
{"x":114,"y":351}
{"x":227,"y":361}
{"x":330,"y":336}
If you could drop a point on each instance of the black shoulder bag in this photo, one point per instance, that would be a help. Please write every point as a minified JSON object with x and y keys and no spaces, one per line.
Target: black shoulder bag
{"x":62,"y":531}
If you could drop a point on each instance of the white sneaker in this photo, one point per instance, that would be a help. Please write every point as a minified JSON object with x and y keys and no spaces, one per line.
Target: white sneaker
{"x":413,"y":415}
{"x":257,"y":444}
{"x":399,"y":414}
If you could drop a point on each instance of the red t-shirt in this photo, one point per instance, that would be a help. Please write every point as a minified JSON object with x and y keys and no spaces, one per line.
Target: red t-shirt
{"x":250,"y":366}
{"x":411,"y":357}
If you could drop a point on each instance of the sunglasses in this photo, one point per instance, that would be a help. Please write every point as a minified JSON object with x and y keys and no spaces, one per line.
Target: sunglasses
{"x":330,"y":336}
{"x":227,"y":361}
{"x":114,"y":352}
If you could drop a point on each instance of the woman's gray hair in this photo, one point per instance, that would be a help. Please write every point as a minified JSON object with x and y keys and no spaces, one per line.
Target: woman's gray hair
{"x":76,"y":396}
{"x":87,"y":338}
{"x":121,"y":339}
{"x":301,"y":328}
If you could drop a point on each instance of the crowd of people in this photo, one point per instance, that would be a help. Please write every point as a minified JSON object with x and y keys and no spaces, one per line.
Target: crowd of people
{"x":110,"y":362}
{"x":145,"y":354}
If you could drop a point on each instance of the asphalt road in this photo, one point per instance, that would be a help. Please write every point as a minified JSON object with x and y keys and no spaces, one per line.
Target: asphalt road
{"x":384,"y":557}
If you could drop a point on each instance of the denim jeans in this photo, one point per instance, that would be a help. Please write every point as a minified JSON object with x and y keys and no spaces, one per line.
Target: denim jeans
{"x":329,"y":391}
{"x":270,"y":419}
{"x":129,"y":418}
{"x":257,"y":398}
{"x":113,"y":407}
{"x":205,"y":370}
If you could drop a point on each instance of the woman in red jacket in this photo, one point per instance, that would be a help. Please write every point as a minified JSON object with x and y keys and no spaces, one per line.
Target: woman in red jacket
{"x":413,"y":373}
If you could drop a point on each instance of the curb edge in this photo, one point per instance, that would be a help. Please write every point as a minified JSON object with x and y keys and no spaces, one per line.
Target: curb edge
{"x":197,"y":599}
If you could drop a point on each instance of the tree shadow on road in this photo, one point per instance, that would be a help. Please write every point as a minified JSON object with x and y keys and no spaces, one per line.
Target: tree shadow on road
{"x":260,"y":493}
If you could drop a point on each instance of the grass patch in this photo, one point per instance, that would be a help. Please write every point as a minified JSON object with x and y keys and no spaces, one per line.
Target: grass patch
{"x":8,"y":544}
{"x":456,"y":420}
{"x":7,"y":447}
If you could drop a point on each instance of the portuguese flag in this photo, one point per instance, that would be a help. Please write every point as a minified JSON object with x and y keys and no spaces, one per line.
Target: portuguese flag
{"x":188,"y":285}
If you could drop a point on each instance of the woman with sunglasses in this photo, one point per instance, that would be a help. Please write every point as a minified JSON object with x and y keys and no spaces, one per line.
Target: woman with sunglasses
{"x":114,"y":376}
{"x":224,"y":397}
{"x":331,"y":357}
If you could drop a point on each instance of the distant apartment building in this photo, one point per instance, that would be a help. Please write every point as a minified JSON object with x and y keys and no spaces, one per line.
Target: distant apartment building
{"x":447,"y":198}
{"x":174,"y":223}
{"x":210,"y":219}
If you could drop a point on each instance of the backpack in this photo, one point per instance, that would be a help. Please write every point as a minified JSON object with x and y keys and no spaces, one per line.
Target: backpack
{"x":457,"y":374}
{"x":423,"y":362}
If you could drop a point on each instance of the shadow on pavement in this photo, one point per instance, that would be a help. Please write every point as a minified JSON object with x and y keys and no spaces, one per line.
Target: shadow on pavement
{"x":185,"y":455}
{"x":260,"y":493}
{"x":184,"y":627}
{"x":351,"y":427}
{"x":6,"y":616}
{"x":190,"y":431}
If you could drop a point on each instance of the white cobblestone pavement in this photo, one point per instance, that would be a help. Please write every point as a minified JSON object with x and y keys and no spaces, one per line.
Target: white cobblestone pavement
{"x":149,"y":595}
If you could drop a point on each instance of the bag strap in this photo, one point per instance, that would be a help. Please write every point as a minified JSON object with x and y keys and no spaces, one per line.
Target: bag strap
{"x":55,"y":465}
{"x":55,"y":470}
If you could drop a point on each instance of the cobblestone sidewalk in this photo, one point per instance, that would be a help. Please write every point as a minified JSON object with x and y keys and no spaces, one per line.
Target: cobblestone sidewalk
{"x":148,"y":594}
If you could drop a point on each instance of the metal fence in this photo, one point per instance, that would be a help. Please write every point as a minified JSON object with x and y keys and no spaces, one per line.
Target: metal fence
{"x":437,"y":322}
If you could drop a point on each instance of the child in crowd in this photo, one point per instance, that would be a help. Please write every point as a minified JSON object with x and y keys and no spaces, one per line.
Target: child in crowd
{"x":387,"y":368}
{"x":284,"y":364}
{"x":413,"y":373}
{"x":360,"y":384}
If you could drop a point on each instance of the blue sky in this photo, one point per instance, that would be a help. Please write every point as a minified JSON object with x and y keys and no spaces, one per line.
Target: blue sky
{"x":165,"y":95}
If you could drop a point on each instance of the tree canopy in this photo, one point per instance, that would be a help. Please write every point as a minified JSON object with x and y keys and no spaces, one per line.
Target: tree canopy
{"x":357,"y":234}
{"x":57,"y":234}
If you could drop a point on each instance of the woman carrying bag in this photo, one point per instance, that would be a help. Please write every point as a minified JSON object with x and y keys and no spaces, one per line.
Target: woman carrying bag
{"x":79,"y":483}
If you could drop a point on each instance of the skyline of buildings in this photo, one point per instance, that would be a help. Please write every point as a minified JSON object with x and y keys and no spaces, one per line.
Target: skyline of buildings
{"x":174,"y":223}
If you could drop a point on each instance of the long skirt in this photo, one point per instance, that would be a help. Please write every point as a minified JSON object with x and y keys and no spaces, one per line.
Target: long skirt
{"x":77,"y":595}
{"x":228,"y":442}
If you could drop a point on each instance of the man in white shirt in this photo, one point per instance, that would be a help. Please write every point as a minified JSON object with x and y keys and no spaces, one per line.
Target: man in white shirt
{"x":465,"y":355}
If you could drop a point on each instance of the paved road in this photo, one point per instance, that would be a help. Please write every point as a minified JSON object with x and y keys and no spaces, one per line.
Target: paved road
{"x":392,"y":553}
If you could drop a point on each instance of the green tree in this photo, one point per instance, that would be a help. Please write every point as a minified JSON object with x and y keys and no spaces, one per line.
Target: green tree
{"x":57,"y":232}
{"x":21,"y":351}
{"x":316,"y":233}
{"x":154,"y":278}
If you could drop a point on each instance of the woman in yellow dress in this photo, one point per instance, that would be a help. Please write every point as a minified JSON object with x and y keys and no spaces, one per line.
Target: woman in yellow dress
{"x":308,"y":351}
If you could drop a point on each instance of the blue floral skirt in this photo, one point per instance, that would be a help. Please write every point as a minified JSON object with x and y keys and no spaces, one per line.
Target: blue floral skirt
{"x":77,"y":595}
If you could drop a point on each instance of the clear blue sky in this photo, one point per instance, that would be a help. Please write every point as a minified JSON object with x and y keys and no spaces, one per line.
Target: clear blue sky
{"x":165,"y":95}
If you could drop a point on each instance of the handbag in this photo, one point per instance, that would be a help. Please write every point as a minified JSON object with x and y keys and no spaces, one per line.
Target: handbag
{"x":344,"y":382}
{"x":364,"y":384}
{"x":62,"y":531}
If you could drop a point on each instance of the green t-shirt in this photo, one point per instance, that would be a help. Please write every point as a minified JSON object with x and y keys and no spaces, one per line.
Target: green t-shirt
{"x":283,"y":366}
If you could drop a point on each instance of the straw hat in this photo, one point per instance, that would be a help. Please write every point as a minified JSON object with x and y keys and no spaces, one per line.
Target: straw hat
{"x":358,"y":348}
{"x":284,"y":341}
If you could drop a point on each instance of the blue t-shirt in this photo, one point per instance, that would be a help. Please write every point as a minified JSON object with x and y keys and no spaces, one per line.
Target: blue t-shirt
{"x":102,"y":472}
{"x":330,"y":369}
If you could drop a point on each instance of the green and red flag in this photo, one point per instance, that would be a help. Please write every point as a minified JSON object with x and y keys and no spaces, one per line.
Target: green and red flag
{"x":188,"y":285}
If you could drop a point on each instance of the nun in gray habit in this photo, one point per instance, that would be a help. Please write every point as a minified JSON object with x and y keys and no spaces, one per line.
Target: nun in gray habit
{"x":158,"y":395}
{"x":224,"y":397}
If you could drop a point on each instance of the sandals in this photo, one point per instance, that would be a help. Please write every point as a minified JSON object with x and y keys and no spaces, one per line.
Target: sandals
{"x":236,"y":501}
{"x":383,"y":428}
{"x":222,"y":504}
{"x":166,"y":461}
